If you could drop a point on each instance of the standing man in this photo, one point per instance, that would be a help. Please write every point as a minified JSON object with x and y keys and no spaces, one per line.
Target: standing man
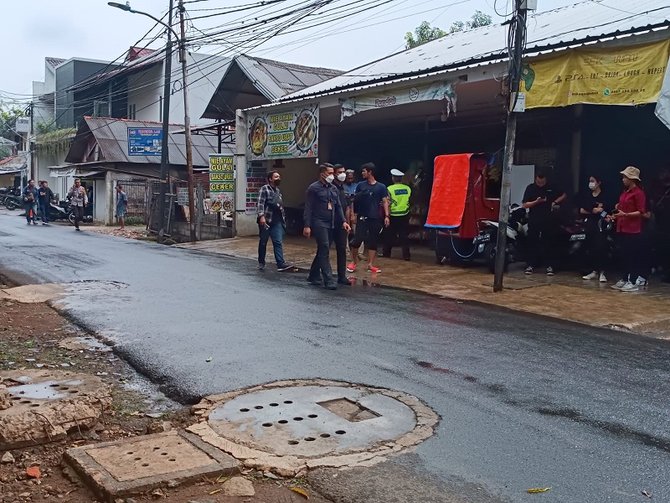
{"x":271,"y":222}
{"x":30,"y":195}
{"x":323,"y":212}
{"x":340,"y":235}
{"x":540,"y":198}
{"x":44,"y":197}
{"x":371,"y":206}
{"x":78,"y":201}
{"x":121,"y":206}
{"x":399,"y":195}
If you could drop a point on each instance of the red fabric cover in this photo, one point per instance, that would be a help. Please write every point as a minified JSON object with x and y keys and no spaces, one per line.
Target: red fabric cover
{"x":450,"y":188}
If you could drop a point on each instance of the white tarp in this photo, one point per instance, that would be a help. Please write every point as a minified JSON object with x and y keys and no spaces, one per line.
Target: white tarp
{"x":663,"y":104}
{"x":437,"y":91}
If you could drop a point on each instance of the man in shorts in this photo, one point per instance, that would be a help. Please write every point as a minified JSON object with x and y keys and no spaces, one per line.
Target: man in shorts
{"x":371,"y":206}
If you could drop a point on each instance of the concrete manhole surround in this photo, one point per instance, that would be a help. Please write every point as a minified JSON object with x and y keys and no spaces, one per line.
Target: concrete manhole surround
{"x":290,"y":426}
{"x":43,"y":405}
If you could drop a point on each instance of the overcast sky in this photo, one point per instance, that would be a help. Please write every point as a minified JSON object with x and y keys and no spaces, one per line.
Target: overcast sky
{"x":33,"y":29}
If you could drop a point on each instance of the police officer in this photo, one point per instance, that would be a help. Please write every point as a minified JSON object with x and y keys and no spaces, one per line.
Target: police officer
{"x":399,"y":195}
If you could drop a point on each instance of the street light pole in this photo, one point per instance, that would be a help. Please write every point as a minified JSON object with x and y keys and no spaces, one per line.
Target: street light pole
{"x":518,"y":23}
{"x":187,"y":123}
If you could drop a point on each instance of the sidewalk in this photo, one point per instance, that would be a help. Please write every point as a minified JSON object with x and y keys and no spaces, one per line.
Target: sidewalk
{"x":565,"y":296}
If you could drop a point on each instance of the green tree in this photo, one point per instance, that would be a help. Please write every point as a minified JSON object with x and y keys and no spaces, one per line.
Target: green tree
{"x":425,"y":32}
{"x":8,"y":118}
{"x":422,"y":34}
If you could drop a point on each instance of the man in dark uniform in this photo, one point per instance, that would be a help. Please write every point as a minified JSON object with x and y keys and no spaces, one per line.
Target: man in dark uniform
{"x":540,"y":197}
{"x":340,"y":236}
{"x":323,"y":211}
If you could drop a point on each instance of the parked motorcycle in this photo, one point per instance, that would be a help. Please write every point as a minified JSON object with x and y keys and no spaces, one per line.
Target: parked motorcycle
{"x":517,"y":230}
{"x":67,"y":207}
{"x":10,"y":197}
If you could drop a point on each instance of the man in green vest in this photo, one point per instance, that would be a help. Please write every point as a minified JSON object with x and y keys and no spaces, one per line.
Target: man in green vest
{"x":399,"y":195}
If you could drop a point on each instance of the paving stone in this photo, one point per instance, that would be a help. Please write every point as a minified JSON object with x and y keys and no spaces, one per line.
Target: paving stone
{"x":135,"y":465}
{"x":238,"y":486}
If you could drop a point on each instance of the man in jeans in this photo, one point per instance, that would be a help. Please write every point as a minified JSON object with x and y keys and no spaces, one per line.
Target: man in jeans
{"x":271,"y":221}
{"x":44,"y":197}
{"x":78,"y":201}
{"x":323,"y":213}
{"x":30,"y":195}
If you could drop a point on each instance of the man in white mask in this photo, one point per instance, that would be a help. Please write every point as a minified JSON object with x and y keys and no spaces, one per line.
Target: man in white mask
{"x":323,"y":214}
{"x":341,"y":236}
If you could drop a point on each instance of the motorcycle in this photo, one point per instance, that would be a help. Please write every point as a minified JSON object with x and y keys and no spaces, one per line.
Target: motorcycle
{"x":517,"y":230}
{"x":67,"y":207}
{"x":11,"y":198}
{"x":56,"y":212}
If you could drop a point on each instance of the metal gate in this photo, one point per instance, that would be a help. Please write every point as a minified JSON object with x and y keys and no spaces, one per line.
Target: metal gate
{"x":137,"y":199}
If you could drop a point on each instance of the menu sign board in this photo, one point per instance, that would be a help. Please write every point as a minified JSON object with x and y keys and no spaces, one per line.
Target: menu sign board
{"x":286,"y":134}
{"x":221,"y":183}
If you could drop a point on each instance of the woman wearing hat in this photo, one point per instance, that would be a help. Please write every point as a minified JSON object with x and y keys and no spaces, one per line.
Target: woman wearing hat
{"x":628,"y":214}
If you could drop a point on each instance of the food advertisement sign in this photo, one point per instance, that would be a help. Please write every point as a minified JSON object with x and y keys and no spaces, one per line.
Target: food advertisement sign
{"x":287,"y":134}
{"x":221,"y":183}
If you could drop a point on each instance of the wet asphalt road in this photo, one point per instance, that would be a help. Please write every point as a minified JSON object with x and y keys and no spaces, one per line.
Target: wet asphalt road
{"x":524,"y":401}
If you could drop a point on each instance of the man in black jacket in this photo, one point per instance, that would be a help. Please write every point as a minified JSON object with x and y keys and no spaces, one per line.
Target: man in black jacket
{"x":323,"y":212}
{"x":44,"y":197}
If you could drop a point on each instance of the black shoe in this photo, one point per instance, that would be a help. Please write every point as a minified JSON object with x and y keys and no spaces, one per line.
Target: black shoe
{"x":331,"y":286}
{"x":344,"y":282}
{"x":261,"y":267}
{"x":284,"y":267}
{"x":314,"y":282}
{"x":77,"y":229}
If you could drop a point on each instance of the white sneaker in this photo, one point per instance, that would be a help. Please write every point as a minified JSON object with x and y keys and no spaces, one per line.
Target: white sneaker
{"x":630,"y":287}
{"x":619,"y":284}
{"x":603,"y":278}
{"x":591,"y":275}
{"x":641,"y":282}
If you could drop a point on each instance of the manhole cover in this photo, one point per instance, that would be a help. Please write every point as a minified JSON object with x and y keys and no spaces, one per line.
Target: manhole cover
{"x":304,"y":423}
{"x":133,"y":465}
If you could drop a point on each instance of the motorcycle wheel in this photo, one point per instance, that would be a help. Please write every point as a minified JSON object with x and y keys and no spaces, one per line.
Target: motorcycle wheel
{"x":11,"y":204}
{"x":489,"y":255}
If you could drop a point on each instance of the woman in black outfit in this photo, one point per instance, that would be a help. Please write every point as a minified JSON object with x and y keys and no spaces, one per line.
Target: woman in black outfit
{"x":594,"y":206}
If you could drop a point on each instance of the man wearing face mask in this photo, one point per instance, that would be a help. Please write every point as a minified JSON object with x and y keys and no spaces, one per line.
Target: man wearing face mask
{"x":340,"y":236}
{"x":323,"y":214}
{"x":271,"y":222}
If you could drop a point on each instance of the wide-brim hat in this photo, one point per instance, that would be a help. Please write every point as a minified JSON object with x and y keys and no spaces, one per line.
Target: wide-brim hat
{"x":397,"y":172}
{"x":631,"y":172}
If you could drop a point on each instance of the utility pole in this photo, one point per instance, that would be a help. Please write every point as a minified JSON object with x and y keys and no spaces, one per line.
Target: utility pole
{"x":31,"y":142}
{"x":518,"y":24}
{"x":187,"y":122}
{"x":165,"y":154}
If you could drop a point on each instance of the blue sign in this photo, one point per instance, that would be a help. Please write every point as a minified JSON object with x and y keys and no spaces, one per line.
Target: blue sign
{"x":145,"y":140}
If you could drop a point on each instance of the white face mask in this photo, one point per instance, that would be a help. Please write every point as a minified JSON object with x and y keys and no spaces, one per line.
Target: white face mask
{"x":592,"y":185}
{"x":342,"y":177}
{"x":330,"y":178}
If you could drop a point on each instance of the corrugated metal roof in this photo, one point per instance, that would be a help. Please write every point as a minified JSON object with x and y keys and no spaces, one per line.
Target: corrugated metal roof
{"x":567,"y":26}
{"x":276,"y":78}
{"x":112,"y":137}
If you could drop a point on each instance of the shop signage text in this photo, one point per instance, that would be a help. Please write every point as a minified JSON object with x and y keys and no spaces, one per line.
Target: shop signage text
{"x":221,"y":183}
{"x":287,"y":134}
{"x":145,"y":141}
{"x":437,"y":91}
{"x":609,"y":76}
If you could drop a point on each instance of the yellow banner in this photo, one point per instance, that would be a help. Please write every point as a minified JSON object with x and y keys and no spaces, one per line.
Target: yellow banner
{"x":616,"y":76}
